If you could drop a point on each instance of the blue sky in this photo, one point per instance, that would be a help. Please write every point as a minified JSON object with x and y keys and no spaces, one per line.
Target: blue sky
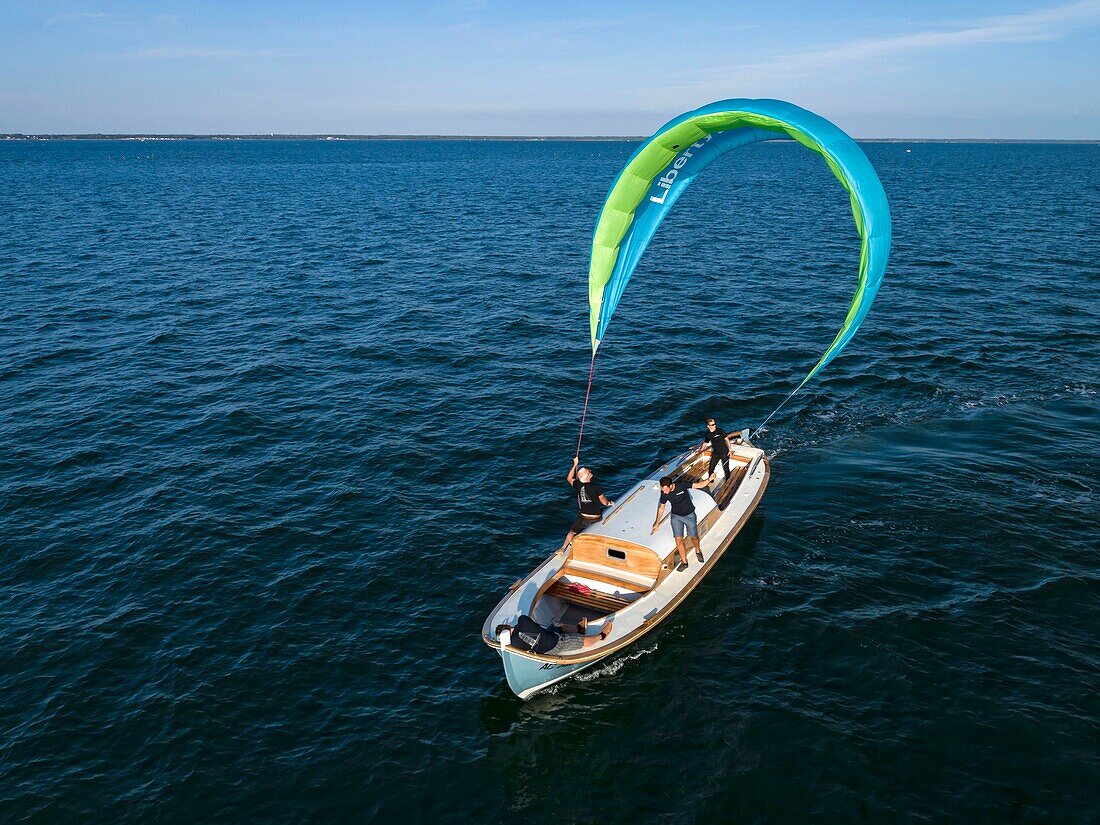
{"x":879,"y":69}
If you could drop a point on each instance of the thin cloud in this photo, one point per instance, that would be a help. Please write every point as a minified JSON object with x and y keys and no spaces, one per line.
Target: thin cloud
{"x":556,"y":32}
{"x":464,"y":6}
{"x":1046,"y":24}
{"x":76,"y":16}
{"x":188,"y":53}
{"x":1042,"y":25}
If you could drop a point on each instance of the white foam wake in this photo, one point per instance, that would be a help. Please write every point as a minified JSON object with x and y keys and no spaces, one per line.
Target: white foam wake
{"x":614,"y":666}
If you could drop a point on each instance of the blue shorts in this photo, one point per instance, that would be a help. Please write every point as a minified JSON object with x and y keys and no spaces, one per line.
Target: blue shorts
{"x":684,"y":526}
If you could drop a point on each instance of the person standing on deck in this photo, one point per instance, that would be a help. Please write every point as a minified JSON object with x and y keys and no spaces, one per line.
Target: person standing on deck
{"x":685,"y":525}
{"x":590,"y":500}
{"x":719,"y":448}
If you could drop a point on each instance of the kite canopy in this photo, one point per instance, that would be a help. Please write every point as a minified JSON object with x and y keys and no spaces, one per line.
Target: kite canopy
{"x":665,"y":164}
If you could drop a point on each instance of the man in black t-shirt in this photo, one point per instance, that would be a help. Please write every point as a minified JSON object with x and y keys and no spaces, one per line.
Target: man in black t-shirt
{"x":719,"y":447}
{"x":590,"y":500}
{"x":685,"y":525}
{"x":555,"y":640}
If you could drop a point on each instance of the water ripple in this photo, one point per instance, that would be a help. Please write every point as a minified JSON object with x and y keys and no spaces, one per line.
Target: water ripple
{"x":275,"y":436}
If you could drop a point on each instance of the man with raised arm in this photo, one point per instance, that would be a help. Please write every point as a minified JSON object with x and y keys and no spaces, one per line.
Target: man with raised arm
{"x":590,"y":500}
{"x":685,"y":525}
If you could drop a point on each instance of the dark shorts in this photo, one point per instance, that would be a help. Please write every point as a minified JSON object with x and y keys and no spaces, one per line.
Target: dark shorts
{"x":580,"y":522}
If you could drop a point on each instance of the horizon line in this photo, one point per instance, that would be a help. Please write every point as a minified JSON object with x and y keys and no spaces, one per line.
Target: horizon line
{"x":337,"y":136}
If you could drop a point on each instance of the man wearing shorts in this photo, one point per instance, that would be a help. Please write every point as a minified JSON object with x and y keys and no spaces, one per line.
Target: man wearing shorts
{"x":555,"y":640}
{"x":590,"y":500}
{"x":685,"y":526}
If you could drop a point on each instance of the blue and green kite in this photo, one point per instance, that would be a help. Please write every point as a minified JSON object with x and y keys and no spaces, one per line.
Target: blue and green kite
{"x":663,"y":166}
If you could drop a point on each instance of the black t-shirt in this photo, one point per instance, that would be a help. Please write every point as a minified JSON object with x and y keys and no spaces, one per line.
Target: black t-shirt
{"x":680,"y":498}
{"x":530,"y":635}
{"x":718,"y":444}
{"x":588,"y":497}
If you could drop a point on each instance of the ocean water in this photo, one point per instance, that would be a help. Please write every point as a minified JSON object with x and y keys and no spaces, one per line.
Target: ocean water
{"x":280,"y":422}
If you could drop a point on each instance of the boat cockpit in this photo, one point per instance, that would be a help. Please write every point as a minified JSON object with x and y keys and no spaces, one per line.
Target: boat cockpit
{"x":600,"y":576}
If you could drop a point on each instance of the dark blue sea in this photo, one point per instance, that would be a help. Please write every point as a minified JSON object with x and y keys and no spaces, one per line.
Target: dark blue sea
{"x":281,"y":421}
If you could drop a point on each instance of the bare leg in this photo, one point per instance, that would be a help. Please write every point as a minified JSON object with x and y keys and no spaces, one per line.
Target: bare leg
{"x":681,"y":549}
{"x":698,"y":550}
{"x":592,"y":640}
{"x":568,"y":538}
{"x":584,"y":522}
{"x":573,"y":629}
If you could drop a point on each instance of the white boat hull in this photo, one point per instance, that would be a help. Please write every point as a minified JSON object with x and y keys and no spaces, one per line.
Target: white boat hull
{"x":526,"y":677}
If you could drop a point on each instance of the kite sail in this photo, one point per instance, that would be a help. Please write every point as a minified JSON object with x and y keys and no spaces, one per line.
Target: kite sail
{"x":665,"y":164}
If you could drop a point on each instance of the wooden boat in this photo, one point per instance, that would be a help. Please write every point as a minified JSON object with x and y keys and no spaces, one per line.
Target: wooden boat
{"x":619,"y":569}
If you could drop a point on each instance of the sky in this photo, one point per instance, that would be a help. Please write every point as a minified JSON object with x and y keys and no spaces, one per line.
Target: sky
{"x":921,"y":68}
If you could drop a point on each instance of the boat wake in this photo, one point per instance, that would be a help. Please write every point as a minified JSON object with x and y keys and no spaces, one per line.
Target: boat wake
{"x":614,"y":666}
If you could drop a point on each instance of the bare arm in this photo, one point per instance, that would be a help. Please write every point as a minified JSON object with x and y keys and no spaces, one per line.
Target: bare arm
{"x":604,"y":501}
{"x":657,"y":518}
{"x":573,"y":470}
{"x":698,"y":485}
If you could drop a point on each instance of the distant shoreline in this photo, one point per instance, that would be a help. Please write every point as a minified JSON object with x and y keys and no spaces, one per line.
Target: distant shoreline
{"x":495,"y":138}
